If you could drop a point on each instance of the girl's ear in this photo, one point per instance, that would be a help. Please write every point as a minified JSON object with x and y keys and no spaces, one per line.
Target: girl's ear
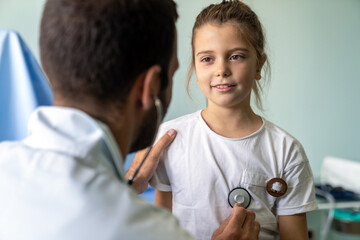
{"x":262,"y":62}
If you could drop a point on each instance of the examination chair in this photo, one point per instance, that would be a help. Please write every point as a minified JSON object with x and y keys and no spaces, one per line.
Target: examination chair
{"x":23,"y":86}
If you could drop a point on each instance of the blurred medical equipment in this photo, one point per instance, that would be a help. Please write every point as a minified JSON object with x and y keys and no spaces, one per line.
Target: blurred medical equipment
{"x":342,"y":173}
{"x":23,"y":86}
{"x":159,"y":115}
{"x":340,"y":187}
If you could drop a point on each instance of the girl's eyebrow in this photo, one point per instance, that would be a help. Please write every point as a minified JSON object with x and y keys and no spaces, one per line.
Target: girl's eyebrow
{"x":230,"y":50}
{"x":204,"y":52}
{"x":239,"y":49}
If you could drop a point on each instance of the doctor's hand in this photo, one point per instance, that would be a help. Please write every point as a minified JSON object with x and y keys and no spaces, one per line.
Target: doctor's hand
{"x":240,"y":225}
{"x":141,"y":181}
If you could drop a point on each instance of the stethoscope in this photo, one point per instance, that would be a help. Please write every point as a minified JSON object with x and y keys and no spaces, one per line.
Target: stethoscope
{"x":159,"y":114}
{"x":276,"y":187}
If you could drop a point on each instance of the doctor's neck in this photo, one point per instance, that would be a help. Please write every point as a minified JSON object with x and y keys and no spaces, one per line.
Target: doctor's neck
{"x":114,"y":116}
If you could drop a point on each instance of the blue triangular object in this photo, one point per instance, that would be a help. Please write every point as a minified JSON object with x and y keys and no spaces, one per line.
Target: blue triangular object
{"x":23,"y":86}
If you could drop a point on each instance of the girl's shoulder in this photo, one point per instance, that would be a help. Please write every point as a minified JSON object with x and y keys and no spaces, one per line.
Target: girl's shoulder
{"x":185,"y":120}
{"x":275,"y":130}
{"x":283,"y":141}
{"x":281,"y":136}
{"x":184,"y":124}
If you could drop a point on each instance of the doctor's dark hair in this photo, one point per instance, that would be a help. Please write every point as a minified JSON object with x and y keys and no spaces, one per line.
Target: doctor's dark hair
{"x":97,"y":48}
{"x":241,"y":15}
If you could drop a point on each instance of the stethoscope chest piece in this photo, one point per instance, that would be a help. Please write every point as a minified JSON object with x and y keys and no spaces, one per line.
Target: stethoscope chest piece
{"x":276,"y":187}
{"x":239,"y":195}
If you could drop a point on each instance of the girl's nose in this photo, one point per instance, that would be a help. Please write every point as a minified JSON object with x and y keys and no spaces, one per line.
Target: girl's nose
{"x":222,"y":69}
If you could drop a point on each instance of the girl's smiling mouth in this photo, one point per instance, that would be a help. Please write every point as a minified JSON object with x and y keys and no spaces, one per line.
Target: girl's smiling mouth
{"x":223,"y":87}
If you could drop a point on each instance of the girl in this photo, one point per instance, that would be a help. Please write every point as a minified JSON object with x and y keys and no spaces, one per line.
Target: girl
{"x":226,"y":145}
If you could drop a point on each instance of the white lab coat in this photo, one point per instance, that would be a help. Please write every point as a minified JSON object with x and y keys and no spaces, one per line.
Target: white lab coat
{"x":66,"y":181}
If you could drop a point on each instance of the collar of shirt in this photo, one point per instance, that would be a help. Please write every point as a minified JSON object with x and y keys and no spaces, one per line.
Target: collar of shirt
{"x":73,"y":132}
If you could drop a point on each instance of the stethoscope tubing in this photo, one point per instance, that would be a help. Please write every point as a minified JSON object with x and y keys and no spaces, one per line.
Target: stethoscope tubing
{"x":159,"y":114}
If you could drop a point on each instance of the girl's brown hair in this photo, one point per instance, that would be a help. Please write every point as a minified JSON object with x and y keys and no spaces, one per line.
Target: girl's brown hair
{"x":249,"y":25}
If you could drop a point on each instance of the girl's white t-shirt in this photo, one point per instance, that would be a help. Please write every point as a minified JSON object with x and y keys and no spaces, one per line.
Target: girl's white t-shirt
{"x":201,"y":167}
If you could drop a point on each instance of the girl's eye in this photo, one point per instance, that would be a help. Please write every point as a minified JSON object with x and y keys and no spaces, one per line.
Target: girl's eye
{"x":206,"y":59}
{"x":236,"y":57}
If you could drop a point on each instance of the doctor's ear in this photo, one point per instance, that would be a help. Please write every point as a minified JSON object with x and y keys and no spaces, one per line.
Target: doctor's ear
{"x":151,"y":86}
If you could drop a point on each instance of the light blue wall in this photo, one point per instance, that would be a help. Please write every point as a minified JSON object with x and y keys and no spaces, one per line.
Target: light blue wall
{"x":314,"y":51}
{"x":24,"y":17}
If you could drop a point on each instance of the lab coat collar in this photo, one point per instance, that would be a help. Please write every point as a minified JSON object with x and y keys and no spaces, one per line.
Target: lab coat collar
{"x":73,"y":132}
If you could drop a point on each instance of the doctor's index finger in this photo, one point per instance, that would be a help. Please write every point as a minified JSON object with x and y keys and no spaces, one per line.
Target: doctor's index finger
{"x":249,"y":222}
{"x":251,"y":228}
{"x":163,"y":142}
{"x":238,"y":217}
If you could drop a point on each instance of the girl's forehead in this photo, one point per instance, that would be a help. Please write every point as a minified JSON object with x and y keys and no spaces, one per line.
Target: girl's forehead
{"x":228,"y":24}
{"x":213,"y":33}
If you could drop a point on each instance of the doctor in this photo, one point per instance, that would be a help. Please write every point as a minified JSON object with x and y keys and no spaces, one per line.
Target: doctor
{"x":107,"y":62}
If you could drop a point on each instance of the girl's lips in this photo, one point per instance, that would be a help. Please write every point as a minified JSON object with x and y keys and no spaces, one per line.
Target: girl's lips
{"x":223,"y":87}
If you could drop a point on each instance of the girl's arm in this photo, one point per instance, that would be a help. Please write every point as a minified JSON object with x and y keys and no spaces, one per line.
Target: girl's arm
{"x":163,"y":199}
{"x":293,"y":227}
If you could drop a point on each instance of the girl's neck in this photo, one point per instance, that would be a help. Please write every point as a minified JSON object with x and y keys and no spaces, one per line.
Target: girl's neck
{"x":232,"y":122}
